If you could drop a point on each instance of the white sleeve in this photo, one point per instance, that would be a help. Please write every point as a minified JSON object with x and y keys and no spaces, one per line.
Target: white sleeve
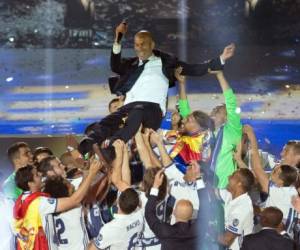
{"x":235,"y":221}
{"x":105,"y":238}
{"x":47,"y":205}
{"x":173,"y":173}
{"x":116,"y":48}
{"x":225,"y":195}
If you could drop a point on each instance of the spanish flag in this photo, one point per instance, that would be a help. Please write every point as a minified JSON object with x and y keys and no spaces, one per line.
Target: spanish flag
{"x":188,"y":147}
{"x":28,"y":223}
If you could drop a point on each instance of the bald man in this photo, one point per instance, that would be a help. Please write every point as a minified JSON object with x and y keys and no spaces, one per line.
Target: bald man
{"x":183,"y":234}
{"x":268,"y":237}
{"x":144,"y":80}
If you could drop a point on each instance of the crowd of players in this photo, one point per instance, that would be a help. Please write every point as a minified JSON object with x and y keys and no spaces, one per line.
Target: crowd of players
{"x":203,"y":184}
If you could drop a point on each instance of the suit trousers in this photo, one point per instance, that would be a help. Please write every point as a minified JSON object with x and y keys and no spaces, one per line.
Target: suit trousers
{"x":146,"y":113}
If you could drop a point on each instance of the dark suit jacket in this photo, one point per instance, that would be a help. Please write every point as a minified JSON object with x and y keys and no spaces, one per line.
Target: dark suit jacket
{"x":267,"y":239}
{"x":125,"y":67}
{"x":180,"y":236}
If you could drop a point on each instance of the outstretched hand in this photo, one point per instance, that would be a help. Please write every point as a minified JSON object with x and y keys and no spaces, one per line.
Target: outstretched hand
{"x":180,"y":78}
{"x":121,"y":28}
{"x":228,"y":52}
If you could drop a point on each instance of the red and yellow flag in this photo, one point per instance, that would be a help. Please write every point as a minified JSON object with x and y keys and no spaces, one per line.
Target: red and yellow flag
{"x":28,"y":223}
{"x":189,"y":147}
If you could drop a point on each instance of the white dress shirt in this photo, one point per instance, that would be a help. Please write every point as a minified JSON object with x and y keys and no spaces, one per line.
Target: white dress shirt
{"x":151,"y":86}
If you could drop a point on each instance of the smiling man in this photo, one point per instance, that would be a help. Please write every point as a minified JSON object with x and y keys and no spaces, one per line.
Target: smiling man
{"x":145,"y":80}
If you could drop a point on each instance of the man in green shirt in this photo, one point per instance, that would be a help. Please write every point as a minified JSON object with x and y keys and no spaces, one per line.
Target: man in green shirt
{"x":19,"y":155}
{"x":227,"y":133}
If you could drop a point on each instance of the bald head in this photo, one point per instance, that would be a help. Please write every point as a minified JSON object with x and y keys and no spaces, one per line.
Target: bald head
{"x":271,"y":217}
{"x":145,"y":34}
{"x":183,"y":211}
{"x":143,"y":44}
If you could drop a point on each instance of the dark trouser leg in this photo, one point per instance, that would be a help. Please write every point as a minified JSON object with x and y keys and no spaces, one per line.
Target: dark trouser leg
{"x":99,"y":131}
{"x":145,"y":113}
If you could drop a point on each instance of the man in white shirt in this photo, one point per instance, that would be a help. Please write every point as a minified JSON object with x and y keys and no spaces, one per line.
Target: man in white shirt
{"x":66,"y":230}
{"x":280,"y":188}
{"x":124,"y":230}
{"x":238,"y":209}
{"x":144,"y":80}
{"x":32,"y":207}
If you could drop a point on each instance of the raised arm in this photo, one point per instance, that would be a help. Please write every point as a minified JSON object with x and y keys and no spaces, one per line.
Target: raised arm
{"x":142,"y":149}
{"x":214,"y":64}
{"x":74,"y":200}
{"x":154,"y":159}
{"x":157,"y":139}
{"x":233,"y":118}
{"x":237,"y":155}
{"x":222,"y":80}
{"x":257,"y":168}
{"x":116,"y":63}
{"x":184,"y":107}
{"x":126,"y":172}
{"x":117,"y":167}
{"x":160,"y":229}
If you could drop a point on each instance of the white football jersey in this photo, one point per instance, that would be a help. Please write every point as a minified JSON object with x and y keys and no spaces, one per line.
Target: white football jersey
{"x":69,"y":230}
{"x":122,"y":233}
{"x":180,"y":189}
{"x":281,"y":197}
{"x":238,"y":216}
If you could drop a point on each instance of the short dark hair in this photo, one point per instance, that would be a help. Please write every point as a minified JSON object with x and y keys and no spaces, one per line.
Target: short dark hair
{"x":203,"y":120}
{"x":13,"y":150}
{"x":148,"y":181}
{"x":45,"y":165}
{"x":247,"y":178}
{"x":271,"y":217}
{"x":23,"y":177}
{"x":129,"y":201}
{"x":41,"y":150}
{"x":111,"y":102}
{"x":288,"y":175}
{"x":56,"y":186}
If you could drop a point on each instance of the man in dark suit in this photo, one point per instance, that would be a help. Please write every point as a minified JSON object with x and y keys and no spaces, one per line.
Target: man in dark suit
{"x":180,"y":236}
{"x":269,"y":238}
{"x":144,"y":80}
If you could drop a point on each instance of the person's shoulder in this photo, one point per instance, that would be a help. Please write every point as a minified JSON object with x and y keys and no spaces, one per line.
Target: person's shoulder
{"x":253,"y":237}
{"x":163,"y":54}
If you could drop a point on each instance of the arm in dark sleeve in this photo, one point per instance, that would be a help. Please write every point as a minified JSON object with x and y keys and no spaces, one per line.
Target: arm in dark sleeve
{"x":117,"y":65}
{"x":160,"y":229}
{"x":201,"y":68}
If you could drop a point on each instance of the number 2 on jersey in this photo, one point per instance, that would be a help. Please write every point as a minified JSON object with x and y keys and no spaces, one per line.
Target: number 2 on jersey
{"x":60,"y":229}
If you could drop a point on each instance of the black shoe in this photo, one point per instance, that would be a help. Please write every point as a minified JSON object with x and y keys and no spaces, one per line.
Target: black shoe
{"x":86,"y":145}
